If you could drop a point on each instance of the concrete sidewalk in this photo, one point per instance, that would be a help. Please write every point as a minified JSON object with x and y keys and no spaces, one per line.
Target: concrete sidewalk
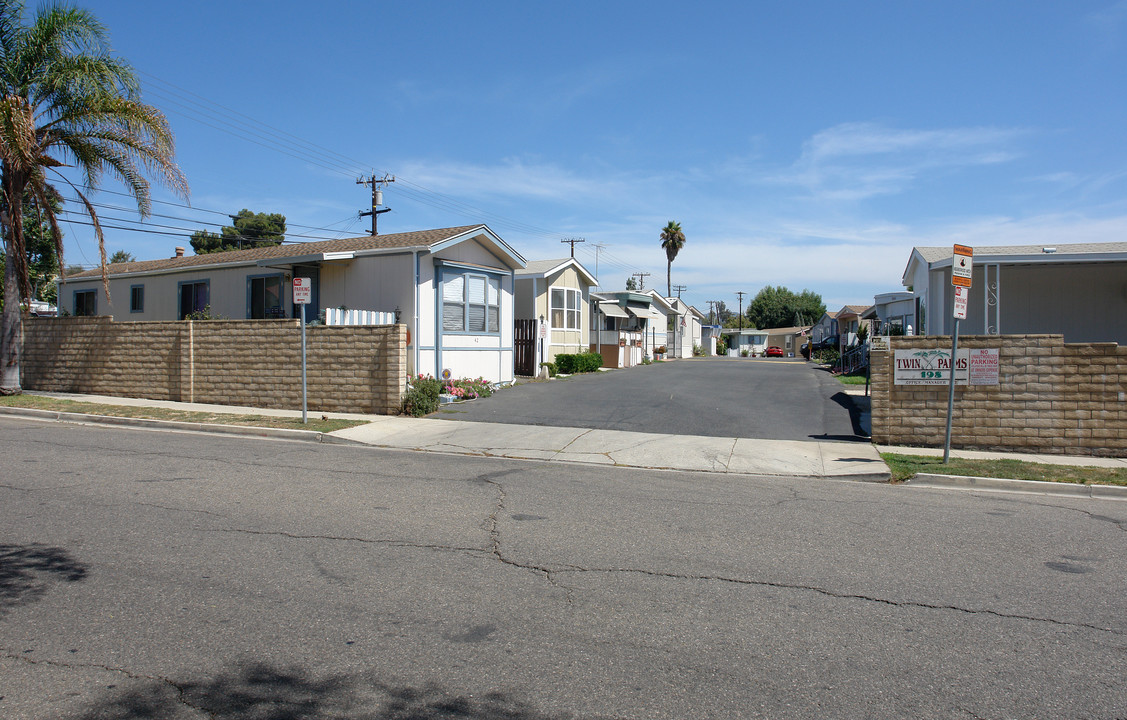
{"x":858,"y":461}
{"x":844,"y":460}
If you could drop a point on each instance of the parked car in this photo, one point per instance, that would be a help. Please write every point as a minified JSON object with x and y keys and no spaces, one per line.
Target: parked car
{"x":38,"y":308}
{"x":827,"y":343}
{"x":774,"y":351}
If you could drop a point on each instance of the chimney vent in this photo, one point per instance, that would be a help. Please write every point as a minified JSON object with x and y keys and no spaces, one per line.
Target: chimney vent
{"x":179,"y":252}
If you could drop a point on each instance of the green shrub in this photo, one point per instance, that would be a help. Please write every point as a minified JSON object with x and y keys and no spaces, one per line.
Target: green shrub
{"x":422,"y":396}
{"x":698,"y":351}
{"x":827,"y":357}
{"x":552,"y":371}
{"x":570,"y":364}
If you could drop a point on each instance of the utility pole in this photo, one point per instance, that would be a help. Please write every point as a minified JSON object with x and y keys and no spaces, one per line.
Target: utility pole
{"x":572,"y":241}
{"x":679,"y":289}
{"x":641,"y":279}
{"x":741,"y":294}
{"x":598,"y":248}
{"x":711,"y":307}
{"x":377,"y":196}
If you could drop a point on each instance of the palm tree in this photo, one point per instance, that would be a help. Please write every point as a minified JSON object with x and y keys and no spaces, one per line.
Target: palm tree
{"x":672,"y":239}
{"x":65,"y":103}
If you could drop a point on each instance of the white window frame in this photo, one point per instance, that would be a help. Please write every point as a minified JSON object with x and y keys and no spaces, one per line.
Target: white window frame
{"x":492,"y":302}
{"x":566,"y":314}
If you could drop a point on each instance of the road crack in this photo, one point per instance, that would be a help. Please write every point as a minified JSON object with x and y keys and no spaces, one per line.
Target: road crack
{"x":845,"y":596}
{"x":495,"y":538}
{"x":181,"y":691}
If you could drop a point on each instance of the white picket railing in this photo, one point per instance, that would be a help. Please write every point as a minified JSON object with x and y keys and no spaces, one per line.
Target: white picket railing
{"x":336,"y":316}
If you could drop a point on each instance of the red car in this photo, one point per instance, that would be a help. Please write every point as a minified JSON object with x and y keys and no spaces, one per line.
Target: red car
{"x":774,"y":352}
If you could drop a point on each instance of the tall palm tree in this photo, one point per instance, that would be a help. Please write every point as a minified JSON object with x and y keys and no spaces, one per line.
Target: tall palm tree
{"x":65,"y":103}
{"x":672,"y":239}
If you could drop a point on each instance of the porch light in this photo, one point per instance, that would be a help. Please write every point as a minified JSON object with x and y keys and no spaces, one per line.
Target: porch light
{"x":398,"y":314}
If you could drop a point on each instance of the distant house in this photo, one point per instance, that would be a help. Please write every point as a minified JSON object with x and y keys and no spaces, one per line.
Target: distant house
{"x":452,"y":287}
{"x":748,"y":340}
{"x":1078,"y":290}
{"x":826,"y":327}
{"x":790,"y":339}
{"x":892,"y":313}
{"x":626,"y":326}
{"x":684,"y":329}
{"x":558,"y":293}
{"x":849,"y":322}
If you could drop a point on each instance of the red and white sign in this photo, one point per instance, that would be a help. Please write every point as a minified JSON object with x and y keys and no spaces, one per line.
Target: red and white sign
{"x":302,"y":291}
{"x":962,"y":262}
{"x":962,"y":297}
{"x":983,"y":366}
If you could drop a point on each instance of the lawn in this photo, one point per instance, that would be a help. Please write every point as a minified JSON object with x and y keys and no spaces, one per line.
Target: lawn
{"x":39,"y":402}
{"x":905,"y":466}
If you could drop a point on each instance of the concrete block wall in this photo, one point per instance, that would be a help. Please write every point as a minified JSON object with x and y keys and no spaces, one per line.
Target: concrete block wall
{"x":1052,"y":397}
{"x":226,"y":362}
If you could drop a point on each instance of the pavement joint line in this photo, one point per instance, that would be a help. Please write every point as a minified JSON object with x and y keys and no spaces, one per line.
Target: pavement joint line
{"x":1094,"y":491}
{"x":1028,"y":487}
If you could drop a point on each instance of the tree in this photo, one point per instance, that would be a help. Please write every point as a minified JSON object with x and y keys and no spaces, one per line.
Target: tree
{"x":122,"y":257}
{"x":249,"y":230}
{"x":631,"y":283}
{"x":775,"y":307}
{"x":723,"y":314}
{"x":42,"y":260}
{"x":65,"y":102}
{"x":672,"y":239}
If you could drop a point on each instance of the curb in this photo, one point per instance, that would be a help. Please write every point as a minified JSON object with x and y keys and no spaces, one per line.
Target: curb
{"x":1038,"y":487}
{"x":241,"y":430}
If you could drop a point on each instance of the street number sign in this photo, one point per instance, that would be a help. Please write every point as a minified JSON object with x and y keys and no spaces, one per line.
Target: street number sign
{"x":302,"y":291}
{"x":962,"y":296}
{"x":961,"y":264}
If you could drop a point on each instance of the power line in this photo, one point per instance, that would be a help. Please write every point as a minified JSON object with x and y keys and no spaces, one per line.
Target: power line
{"x":286,"y":143}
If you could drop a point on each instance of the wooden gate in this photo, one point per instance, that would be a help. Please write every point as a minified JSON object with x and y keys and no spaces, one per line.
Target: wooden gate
{"x":524,"y":348}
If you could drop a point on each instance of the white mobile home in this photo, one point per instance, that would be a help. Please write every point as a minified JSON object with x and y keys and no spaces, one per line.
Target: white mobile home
{"x":452,"y":287}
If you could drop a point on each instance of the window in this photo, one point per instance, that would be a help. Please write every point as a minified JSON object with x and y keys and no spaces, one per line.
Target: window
{"x":193,"y":297}
{"x":471,"y":303}
{"x":86,"y":302}
{"x":265,"y":297}
{"x":136,"y":298}
{"x":565,"y":308}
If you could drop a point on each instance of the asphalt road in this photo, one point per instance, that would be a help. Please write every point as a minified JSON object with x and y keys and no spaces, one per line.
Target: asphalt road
{"x":772,"y":399}
{"x":175,"y":576}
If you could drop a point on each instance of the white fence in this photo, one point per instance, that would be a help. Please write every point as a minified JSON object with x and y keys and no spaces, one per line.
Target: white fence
{"x":336,"y":316}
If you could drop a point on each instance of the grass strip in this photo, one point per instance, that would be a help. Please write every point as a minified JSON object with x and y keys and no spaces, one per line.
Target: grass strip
{"x":38,"y":402}
{"x":906,"y":466}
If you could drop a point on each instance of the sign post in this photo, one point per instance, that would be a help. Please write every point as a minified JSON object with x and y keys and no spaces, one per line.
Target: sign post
{"x":302,"y":295}
{"x":961,"y":269}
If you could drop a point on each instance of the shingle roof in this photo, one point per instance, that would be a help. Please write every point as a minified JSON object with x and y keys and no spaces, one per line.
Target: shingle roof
{"x":855,"y":309}
{"x":420,"y":238}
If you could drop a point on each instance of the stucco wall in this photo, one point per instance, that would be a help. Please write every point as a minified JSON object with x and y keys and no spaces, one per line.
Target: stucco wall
{"x":1052,"y":397}
{"x":227,"y":362}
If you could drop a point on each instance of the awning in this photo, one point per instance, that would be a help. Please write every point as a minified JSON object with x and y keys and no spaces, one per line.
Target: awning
{"x":612,"y":310}
{"x":644,"y":313}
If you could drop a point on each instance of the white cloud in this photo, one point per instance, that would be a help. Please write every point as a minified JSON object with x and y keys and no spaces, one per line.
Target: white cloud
{"x":855,"y":161}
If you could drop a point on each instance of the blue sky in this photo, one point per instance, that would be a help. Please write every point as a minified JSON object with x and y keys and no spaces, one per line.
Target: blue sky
{"x":805,"y":144}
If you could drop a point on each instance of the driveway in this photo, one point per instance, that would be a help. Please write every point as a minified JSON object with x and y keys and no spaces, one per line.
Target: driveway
{"x":772,"y":399}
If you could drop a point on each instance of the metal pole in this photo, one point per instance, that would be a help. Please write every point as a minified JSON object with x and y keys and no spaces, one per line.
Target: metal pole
{"x":951,"y":393}
{"x":304,"y":407}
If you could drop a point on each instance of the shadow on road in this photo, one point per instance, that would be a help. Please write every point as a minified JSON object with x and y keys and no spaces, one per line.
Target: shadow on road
{"x":26,"y":571}
{"x":859,"y":433}
{"x":263,"y":691}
